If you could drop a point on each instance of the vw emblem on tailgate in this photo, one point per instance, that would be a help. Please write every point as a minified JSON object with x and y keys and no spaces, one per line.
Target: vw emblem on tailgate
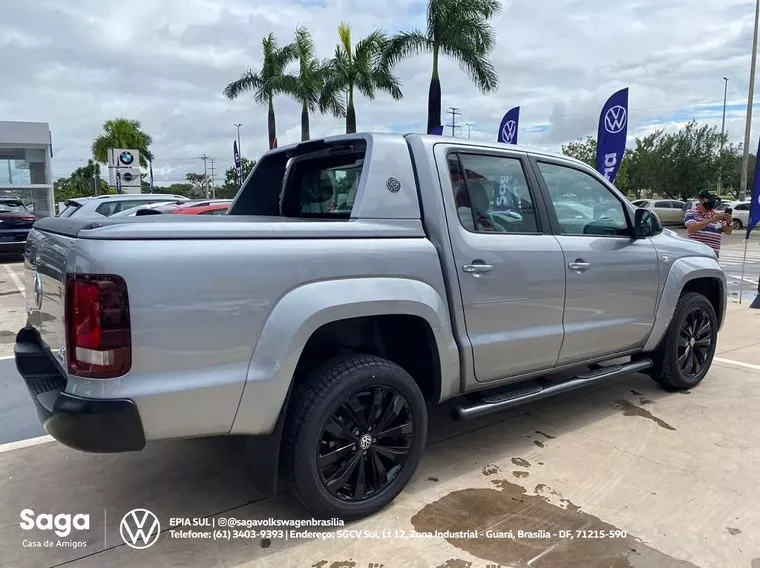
{"x":36,"y":300}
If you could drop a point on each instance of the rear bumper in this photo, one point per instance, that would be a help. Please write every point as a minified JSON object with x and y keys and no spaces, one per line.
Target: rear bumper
{"x":86,"y":424}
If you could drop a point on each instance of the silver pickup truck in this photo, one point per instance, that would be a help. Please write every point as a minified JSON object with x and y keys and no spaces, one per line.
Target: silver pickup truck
{"x":355,"y":281}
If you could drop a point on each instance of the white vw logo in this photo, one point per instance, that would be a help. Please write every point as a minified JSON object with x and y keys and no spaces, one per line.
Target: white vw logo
{"x":509,"y":131}
{"x":615,"y":119}
{"x":139,"y":525}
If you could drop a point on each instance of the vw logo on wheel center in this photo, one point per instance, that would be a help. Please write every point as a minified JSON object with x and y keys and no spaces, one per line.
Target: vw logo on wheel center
{"x":508,"y":132}
{"x":126,"y":158}
{"x":140,"y":529}
{"x":615,"y":119}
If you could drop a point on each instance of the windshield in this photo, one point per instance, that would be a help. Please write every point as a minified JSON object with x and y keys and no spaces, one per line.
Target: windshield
{"x":13,"y":208}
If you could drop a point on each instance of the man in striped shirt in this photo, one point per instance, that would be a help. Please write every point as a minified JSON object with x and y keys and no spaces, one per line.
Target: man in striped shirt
{"x":706,"y":225}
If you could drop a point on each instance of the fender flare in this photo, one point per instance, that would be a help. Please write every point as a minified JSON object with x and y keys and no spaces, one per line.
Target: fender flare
{"x":303,"y":310}
{"x":683,"y":271}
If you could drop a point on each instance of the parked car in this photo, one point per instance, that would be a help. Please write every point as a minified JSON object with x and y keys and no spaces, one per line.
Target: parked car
{"x":213,"y":207}
{"x":323,"y":333}
{"x":107,"y":205}
{"x":740,"y":213}
{"x":670,"y":211}
{"x":15,"y":223}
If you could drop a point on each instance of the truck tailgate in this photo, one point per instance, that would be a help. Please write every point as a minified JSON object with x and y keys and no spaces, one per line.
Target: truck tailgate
{"x":45,"y":283}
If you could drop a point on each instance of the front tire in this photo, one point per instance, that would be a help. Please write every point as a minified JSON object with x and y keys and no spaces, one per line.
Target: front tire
{"x":356,"y":430}
{"x":736,"y":224}
{"x":684,"y":357}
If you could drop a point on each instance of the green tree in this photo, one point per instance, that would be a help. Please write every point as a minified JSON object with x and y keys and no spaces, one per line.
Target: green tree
{"x":230,"y":187}
{"x":267,"y":82}
{"x":81,"y":183}
{"x":122,"y":133}
{"x":460,"y":29}
{"x":361,"y":67}
{"x":730,"y":166}
{"x":200,"y":185}
{"x":308,"y":85}
{"x":583,"y":150}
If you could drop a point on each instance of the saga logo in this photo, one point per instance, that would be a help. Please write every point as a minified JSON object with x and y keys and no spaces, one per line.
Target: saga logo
{"x":62,"y":523}
{"x":610,"y":163}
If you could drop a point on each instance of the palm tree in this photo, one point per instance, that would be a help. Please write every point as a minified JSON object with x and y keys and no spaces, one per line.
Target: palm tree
{"x":122,"y":133}
{"x":266,"y":83}
{"x":361,"y":67}
{"x":307,"y":87}
{"x":459,"y":29}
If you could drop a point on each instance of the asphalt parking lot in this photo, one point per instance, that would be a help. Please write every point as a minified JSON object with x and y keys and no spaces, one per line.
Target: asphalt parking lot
{"x":626,"y":474}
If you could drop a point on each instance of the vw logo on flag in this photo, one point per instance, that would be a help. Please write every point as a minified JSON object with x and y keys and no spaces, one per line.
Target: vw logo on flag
{"x":509,"y":130}
{"x":126,"y":158}
{"x":615,"y":119}
{"x":140,"y":529}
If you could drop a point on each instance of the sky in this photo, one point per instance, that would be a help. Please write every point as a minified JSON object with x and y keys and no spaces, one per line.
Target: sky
{"x":165,"y":63}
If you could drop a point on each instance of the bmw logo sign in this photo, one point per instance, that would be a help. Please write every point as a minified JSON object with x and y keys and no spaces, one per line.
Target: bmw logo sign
{"x":126,"y":158}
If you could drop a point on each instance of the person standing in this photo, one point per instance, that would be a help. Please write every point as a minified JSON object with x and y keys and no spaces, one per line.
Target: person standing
{"x":705,"y":224}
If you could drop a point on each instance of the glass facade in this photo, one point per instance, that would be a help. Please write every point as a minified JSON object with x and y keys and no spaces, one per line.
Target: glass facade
{"x":23,"y":166}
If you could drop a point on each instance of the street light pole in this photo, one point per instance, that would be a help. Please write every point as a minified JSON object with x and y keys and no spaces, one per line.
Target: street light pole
{"x":469,"y":129}
{"x":722,"y":133}
{"x":750,"y":97}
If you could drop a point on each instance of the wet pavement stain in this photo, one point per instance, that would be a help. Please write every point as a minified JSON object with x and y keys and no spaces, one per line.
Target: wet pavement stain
{"x":630,"y":409}
{"x":455,"y":563}
{"x":343,"y":564}
{"x":491,"y":469}
{"x":265,"y":543}
{"x":545,"y":435}
{"x":732,"y":531}
{"x":519,"y":462}
{"x":319,"y":564}
{"x":540,"y":463}
{"x":433,"y":479}
{"x":539,"y":443}
{"x":520,"y":473}
{"x":9,"y":293}
{"x":642,"y":398}
{"x":492,"y":513}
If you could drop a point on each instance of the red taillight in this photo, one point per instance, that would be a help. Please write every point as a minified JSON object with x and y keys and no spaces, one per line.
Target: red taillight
{"x":98,"y":337}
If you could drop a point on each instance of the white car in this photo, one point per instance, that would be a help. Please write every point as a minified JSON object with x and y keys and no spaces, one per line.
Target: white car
{"x":107,"y":205}
{"x":670,"y":211}
{"x":740,"y":212}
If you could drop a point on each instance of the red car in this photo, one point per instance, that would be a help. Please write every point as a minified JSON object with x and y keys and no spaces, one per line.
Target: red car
{"x":214,"y":207}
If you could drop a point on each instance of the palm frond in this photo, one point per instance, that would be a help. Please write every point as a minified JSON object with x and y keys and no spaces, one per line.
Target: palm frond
{"x":388,"y":82}
{"x":476,"y":65}
{"x":248,"y":82}
{"x":404,"y":45}
{"x":344,"y":37}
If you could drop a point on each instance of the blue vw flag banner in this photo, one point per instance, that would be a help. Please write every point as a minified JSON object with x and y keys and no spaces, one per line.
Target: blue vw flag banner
{"x":613,"y":130}
{"x":438,"y":131}
{"x":238,"y":169}
{"x":508,"y":127}
{"x":754,"y":211}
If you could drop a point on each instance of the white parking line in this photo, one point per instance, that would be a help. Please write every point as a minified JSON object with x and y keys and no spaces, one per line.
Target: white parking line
{"x":28,"y":443}
{"x":6,"y":357}
{"x":16,"y":280}
{"x":737,"y":363}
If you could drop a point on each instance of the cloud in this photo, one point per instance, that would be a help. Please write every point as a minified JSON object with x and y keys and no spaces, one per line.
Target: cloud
{"x":77,"y":64}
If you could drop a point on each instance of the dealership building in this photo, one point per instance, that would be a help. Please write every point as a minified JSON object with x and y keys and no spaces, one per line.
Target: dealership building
{"x":25,"y":164}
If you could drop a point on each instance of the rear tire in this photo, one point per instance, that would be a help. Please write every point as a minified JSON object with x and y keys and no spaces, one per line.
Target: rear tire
{"x":684,"y":357}
{"x":355,"y":433}
{"x":736,"y":224}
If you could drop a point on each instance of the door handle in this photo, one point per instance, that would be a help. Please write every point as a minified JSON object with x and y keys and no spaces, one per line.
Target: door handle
{"x":579,"y":266}
{"x":477,"y":268}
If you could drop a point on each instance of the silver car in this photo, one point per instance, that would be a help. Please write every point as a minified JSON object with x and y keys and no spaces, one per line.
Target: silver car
{"x":107,"y":205}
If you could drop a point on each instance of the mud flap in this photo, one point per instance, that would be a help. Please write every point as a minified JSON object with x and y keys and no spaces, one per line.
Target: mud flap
{"x":262,"y":457}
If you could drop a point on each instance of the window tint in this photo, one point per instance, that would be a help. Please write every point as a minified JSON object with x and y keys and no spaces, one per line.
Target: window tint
{"x":742,"y":207}
{"x":662,"y":204}
{"x":70,"y":208}
{"x":492,"y":194}
{"x":323,"y":186}
{"x":676,"y":204}
{"x":597,"y":211}
{"x":214,"y":212}
{"x":13,"y":207}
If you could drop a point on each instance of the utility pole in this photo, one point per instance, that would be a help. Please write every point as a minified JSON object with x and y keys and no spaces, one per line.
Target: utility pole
{"x":204,"y":157}
{"x":751,"y":96}
{"x":454,"y":112}
{"x":722,"y":132}
{"x":469,"y":129}
{"x":213,"y":180}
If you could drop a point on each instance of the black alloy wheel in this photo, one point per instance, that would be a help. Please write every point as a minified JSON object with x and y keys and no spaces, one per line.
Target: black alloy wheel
{"x":694,"y":342}
{"x":365,"y":443}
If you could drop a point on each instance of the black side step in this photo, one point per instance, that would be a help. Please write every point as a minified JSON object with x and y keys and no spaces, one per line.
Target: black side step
{"x":534,"y":391}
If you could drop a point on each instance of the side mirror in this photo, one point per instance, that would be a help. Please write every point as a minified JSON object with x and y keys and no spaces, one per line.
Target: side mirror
{"x":646,"y":224}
